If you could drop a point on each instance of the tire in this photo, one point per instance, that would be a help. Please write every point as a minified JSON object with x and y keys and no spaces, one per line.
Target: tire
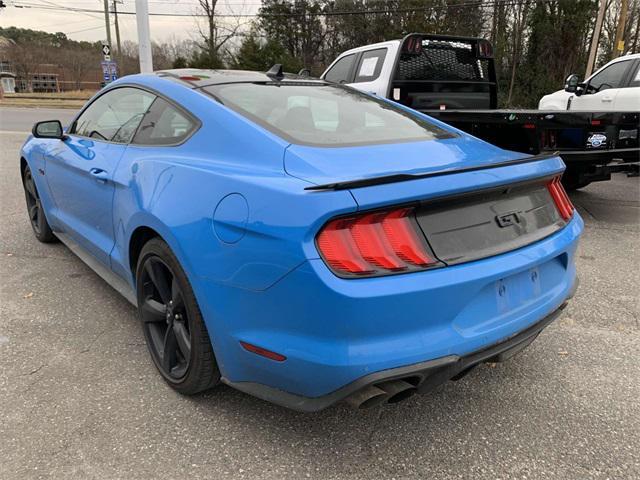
{"x":35,"y":211}
{"x":171,"y":321}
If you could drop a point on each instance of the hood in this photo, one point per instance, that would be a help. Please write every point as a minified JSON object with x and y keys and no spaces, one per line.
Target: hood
{"x":320,"y":165}
{"x":554,"y":101}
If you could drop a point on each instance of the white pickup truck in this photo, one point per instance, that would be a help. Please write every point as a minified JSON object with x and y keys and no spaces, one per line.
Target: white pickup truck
{"x":613,"y":88}
{"x":454,"y":80}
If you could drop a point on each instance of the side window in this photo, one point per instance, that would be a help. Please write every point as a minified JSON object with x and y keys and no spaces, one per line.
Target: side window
{"x":610,"y":77}
{"x":370,"y":65}
{"x":163,"y":124}
{"x":115,"y":115}
{"x":340,"y":72}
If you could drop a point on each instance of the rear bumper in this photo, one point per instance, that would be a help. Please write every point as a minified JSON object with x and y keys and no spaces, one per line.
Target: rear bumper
{"x":424,"y":376}
{"x":336,"y":331}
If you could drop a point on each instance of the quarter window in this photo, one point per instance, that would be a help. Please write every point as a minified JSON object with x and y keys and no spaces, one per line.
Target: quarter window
{"x":370,"y":65}
{"x":115,"y":115}
{"x":341,"y":71}
{"x":610,"y":77}
{"x":163,"y":124}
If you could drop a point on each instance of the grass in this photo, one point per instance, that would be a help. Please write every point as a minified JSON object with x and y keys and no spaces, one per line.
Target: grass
{"x":72,"y":99}
{"x":70,"y":95}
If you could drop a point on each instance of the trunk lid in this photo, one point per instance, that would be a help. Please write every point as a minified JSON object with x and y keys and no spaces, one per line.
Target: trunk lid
{"x":482,"y":224}
{"x":468,"y":204}
{"x":320,"y":165}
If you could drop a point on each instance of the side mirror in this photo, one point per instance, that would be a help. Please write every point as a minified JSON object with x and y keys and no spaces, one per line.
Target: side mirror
{"x":48,"y":129}
{"x":571,"y":83}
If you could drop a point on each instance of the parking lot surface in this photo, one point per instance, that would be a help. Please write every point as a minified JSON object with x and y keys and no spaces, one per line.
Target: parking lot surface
{"x":80,"y":398}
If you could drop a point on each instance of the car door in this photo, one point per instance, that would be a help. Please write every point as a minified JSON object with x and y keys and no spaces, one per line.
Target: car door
{"x":628,"y":97}
{"x":79,"y":170}
{"x":163,"y":129}
{"x":602,"y":88}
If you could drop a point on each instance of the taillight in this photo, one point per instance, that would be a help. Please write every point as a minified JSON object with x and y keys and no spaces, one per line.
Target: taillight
{"x":373,"y":244}
{"x":560,"y":198}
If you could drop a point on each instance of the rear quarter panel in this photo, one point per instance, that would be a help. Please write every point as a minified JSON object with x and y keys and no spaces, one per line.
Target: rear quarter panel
{"x":183,"y":193}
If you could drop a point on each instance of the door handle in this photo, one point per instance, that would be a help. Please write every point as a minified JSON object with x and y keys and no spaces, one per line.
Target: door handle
{"x":607,"y":99}
{"x":99,"y":174}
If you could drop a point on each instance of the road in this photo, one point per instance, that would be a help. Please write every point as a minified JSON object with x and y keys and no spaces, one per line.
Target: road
{"x":17,"y":120}
{"x":80,"y":398}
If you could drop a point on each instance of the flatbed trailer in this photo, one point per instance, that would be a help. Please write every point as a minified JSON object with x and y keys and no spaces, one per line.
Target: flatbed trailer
{"x":592,"y":144}
{"x":454,"y":80}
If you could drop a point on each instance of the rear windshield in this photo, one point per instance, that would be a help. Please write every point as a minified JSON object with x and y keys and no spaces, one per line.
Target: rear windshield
{"x":324,"y":115}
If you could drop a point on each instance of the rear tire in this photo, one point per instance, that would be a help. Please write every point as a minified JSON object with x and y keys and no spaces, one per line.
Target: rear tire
{"x":37,"y":218}
{"x":172,"y":324}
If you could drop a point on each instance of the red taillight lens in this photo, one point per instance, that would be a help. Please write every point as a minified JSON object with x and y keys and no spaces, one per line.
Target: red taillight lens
{"x":374,"y":244}
{"x":560,"y":198}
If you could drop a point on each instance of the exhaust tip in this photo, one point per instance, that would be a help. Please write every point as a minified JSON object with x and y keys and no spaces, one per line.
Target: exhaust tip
{"x":367,"y":397}
{"x":397,"y":390}
{"x":398,"y":397}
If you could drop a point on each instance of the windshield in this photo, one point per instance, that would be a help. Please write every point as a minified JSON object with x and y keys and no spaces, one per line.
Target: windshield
{"x":324,"y":115}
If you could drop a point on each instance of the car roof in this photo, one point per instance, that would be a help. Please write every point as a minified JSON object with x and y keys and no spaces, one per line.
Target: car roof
{"x":198,"y":78}
{"x":370,"y":46}
{"x":628,"y":56}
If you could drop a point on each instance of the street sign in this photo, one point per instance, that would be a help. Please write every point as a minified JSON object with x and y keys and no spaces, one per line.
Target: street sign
{"x":109,"y":71}
{"x":106,"y":52}
{"x":113,"y":71}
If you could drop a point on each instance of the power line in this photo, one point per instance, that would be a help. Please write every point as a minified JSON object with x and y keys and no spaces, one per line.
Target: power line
{"x":478,"y":3}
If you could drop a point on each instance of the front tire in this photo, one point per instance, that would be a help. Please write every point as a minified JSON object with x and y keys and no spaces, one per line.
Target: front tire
{"x":37,"y":219}
{"x":172,"y":324}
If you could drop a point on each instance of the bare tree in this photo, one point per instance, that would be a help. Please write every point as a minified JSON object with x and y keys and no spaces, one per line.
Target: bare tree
{"x":520,"y":16}
{"x":215,"y":35}
{"x":77,"y":62}
{"x":27,"y":59}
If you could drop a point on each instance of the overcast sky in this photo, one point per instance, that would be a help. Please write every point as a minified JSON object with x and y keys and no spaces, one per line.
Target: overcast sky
{"x":90,"y":26}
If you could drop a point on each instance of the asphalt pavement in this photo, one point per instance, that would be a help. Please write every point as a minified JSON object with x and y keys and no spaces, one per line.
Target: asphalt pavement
{"x":80,"y":398}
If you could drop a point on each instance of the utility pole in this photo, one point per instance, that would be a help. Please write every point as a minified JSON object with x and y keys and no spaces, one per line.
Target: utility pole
{"x":106,"y":21}
{"x":596,"y":38}
{"x":115,"y":17}
{"x":144,"y":39}
{"x":618,"y":45}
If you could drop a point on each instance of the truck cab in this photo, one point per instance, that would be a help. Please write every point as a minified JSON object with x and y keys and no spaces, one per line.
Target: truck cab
{"x":614,"y":87}
{"x":424,"y":72}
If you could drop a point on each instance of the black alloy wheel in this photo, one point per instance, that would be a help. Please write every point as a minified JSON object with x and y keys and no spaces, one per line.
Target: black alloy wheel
{"x":172,"y":323}
{"x":37,"y":217}
{"x":165,"y":319}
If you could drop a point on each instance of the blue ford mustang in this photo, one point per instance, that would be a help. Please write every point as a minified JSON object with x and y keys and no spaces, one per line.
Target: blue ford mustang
{"x":299,"y":240}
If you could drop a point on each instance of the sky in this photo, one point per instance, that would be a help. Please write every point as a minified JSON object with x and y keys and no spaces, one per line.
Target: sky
{"x":51,"y":16}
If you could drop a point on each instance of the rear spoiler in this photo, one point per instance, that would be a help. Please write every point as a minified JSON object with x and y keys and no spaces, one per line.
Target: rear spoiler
{"x":403,"y":177}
